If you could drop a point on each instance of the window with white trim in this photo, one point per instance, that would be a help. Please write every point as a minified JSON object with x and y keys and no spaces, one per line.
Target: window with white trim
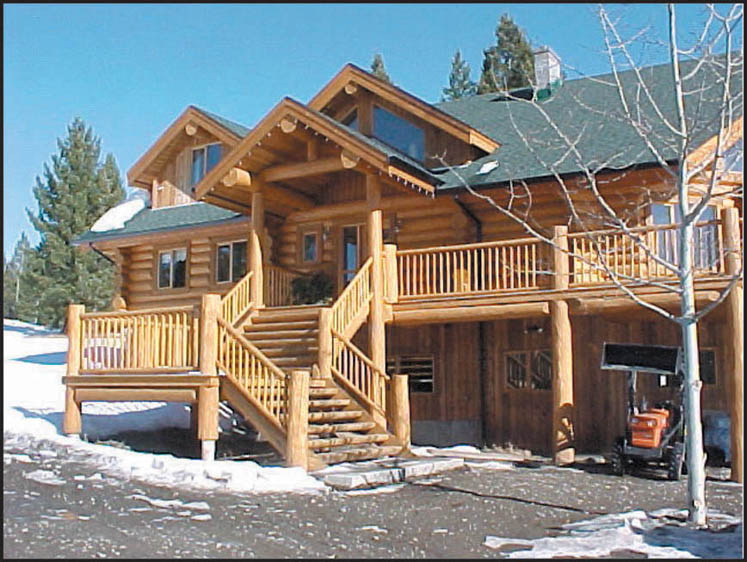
{"x":172,"y":268}
{"x":230,"y":261}
{"x":418,"y":368}
{"x":529,"y":369}
{"x":204,"y":159}
{"x":705,"y":238}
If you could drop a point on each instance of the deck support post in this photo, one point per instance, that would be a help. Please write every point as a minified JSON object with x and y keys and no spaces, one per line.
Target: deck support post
{"x":297,"y":443}
{"x":256,"y":232}
{"x":72,"y":423}
{"x":208,"y":400}
{"x":398,"y":412}
{"x":325,"y":342}
{"x":734,"y":343}
{"x":377,"y":333}
{"x":391,"y":286}
{"x":208,"y":396}
{"x":562,"y":356}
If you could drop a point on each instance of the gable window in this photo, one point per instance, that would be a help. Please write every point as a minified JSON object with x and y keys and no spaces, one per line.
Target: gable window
{"x":418,"y":368}
{"x":172,"y":268}
{"x":399,"y":133}
{"x":204,"y":159}
{"x":351,"y":120}
{"x":230,"y":261}
{"x":705,"y":238}
{"x":529,"y":370}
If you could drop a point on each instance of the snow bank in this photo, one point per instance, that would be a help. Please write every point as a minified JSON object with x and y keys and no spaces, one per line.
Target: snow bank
{"x":116,"y":217}
{"x":33,"y":406}
{"x":651,"y":534}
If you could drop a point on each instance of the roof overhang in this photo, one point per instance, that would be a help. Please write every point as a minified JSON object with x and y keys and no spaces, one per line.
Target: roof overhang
{"x":351,"y":77}
{"x":142,"y":172}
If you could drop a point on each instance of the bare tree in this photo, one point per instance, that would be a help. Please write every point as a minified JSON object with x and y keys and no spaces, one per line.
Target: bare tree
{"x":686,"y":133}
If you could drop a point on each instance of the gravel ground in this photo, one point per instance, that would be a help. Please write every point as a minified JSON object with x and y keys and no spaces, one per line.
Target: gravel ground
{"x":78,"y":512}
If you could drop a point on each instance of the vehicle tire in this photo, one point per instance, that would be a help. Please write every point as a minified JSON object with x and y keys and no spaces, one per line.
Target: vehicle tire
{"x":617,"y":459}
{"x":675,"y":462}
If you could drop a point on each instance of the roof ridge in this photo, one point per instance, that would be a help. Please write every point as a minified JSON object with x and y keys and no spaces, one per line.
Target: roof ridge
{"x":235,"y":126}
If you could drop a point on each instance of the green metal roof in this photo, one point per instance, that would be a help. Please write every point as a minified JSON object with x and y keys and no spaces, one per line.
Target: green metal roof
{"x":589,"y":111}
{"x":236,"y":128}
{"x":165,"y":219}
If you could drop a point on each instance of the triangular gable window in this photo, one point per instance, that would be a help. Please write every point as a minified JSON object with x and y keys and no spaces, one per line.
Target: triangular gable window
{"x":399,"y":133}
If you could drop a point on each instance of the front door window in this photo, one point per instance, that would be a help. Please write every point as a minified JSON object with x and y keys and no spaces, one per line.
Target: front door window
{"x":351,"y":252}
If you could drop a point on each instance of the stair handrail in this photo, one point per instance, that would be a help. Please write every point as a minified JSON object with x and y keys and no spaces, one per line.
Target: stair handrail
{"x":366,"y":379}
{"x":253,"y":372}
{"x":278,"y":281}
{"x":236,"y":302}
{"x":347,"y":309}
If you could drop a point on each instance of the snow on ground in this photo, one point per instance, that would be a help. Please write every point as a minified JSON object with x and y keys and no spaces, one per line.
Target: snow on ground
{"x":33,"y":406}
{"x":650,"y":534}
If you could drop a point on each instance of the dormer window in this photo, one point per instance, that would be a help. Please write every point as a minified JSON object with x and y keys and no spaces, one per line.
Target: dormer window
{"x":204,"y":159}
{"x":399,"y":133}
{"x":351,"y":120}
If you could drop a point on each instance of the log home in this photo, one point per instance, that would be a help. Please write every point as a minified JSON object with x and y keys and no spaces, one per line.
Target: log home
{"x":446,"y":322}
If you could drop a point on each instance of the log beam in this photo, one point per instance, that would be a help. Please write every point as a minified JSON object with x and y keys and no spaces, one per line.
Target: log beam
{"x":350,"y":88}
{"x":469,"y":313}
{"x":190,"y":129}
{"x":283,"y":172}
{"x":237,"y":177}
{"x":288,"y":125}
{"x":580,"y":307}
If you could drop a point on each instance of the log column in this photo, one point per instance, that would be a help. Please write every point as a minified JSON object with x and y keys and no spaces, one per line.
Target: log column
{"x":392,"y":282}
{"x":324,"y":357}
{"x":297,"y":441}
{"x":208,"y":396}
{"x":256,"y":231}
{"x":399,"y":411}
{"x":72,"y":423}
{"x":562,"y":356}
{"x":376,"y":334}
{"x":734,"y":343}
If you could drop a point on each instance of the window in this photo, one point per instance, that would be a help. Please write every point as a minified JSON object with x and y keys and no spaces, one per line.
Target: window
{"x":707,"y":362}
{"x":705,"y":238}
{"x":418,"y":368}
{"x":399,"y":133}
{"x":309,"y":244}
{"x":231,"y":261}
{"x":351,"y":252}
{"x":204,"y":159}
{"x":172,"y":268}
{"x":529,"y":369}
{"x":351,"y":120}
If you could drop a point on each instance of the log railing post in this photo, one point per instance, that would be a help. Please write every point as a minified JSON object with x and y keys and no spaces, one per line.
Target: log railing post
{"x":209,"y":312}
{"x":297,"y":440}
{"x":392,"y":284}
{"x":325,"y":342}
{"x":398,"y":412}
{"x":562,"y":355}
{"x":734,"y":343}
{"x":72,"y":423}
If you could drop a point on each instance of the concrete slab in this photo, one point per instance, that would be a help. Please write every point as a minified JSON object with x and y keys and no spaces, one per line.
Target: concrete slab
{"x":382,"y":472}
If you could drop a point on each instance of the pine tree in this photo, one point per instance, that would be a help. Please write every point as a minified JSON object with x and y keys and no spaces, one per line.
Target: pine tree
{"x":12,"y":277}
{"x":460,"y":83}
{"x":377,"y":68}
{"x":76,"y":191}
{"x":509,"y":64}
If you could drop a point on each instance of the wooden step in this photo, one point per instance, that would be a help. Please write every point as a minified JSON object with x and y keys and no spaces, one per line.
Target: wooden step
{"x":344,"y":415}
{"x":319,"y":393}
{"x":320,"y":382}
{"x":281,"y":334}
{"x":297,"y":351}
{"x":298,"y":362}
{"x":353,"y":439}
{"x":317,"y":429}
{"x":328,"y":403}
{"x":284,"y":315}
{"x":359,"y":454}
{"x":269,"y":326}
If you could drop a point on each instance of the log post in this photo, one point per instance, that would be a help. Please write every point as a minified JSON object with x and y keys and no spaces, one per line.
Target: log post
{"x":118,"y":303}
{"x":376,"y":333}
{"x":72,"y":423}
{"x":209,"y":334}
{"x":255,"y":247}
{"x":297,"y":441}
{"x":325,"y":342}
{"x":562,"y":356}
{"x":734,"y":343}
{"x":392,"y":285}
{"x":208,"y":401}
{"x":398,"y":413}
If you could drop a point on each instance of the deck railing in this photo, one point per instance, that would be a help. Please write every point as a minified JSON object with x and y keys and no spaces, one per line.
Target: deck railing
{"x":352,"y":365}
{"x":630,"y":261}
{"x":154,"y":340}
{"x":470,"y":269}
{"x":248,"y":367}
{"x":278,"y":285}
{"x":236,"y":302}
{"x":351,"y":307}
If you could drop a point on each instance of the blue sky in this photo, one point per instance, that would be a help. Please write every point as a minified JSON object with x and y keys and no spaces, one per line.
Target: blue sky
{"x":130,"y":69}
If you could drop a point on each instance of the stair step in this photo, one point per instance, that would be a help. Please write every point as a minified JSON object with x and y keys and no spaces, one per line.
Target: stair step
{"x":358,"y":454}
{"x":319,"y":382}
{"x":301,"y":362}
{"x":343,"y":415}
{"x":328,"y":403}
{"x":298,"y":351}
{"x":353,"y":439}
{"x":268,"y":326}
{"x":319,"y":393}
{"x":283,"y":334}
{"x":318,"y":429}
{"x":285,"y":314}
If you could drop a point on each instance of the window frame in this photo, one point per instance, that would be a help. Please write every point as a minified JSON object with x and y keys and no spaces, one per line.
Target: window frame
{"x":205,"y":169}
{"x":230,"y":244}
{"x":528,"y":364}
{"x":422,"y":131}
{"x":705,"y":254}
{"x":157,"y":266}
{"x":303,"y":231}
{"x":394,"y":366}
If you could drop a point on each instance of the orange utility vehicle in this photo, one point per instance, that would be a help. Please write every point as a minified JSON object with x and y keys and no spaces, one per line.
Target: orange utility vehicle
{"x":653,"y":436}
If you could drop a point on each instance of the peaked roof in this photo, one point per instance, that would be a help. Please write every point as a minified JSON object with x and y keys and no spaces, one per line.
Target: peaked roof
{"x":589,"y":111}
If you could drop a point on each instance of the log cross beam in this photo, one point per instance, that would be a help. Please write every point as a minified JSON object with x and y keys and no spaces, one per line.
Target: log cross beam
{"x":282,"y":172}
{"x":237,"y":177}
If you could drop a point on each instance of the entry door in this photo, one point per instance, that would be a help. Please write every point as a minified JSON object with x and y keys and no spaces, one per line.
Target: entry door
{"x":351,"y":248}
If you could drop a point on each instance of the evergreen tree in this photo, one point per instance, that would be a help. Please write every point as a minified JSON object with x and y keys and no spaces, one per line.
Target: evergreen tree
{"x":75,"y":191}
{"x":460,"y":83}
{"x":12,"y":277}
{"x":509,"y":64}
{"x":377,"y":68}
